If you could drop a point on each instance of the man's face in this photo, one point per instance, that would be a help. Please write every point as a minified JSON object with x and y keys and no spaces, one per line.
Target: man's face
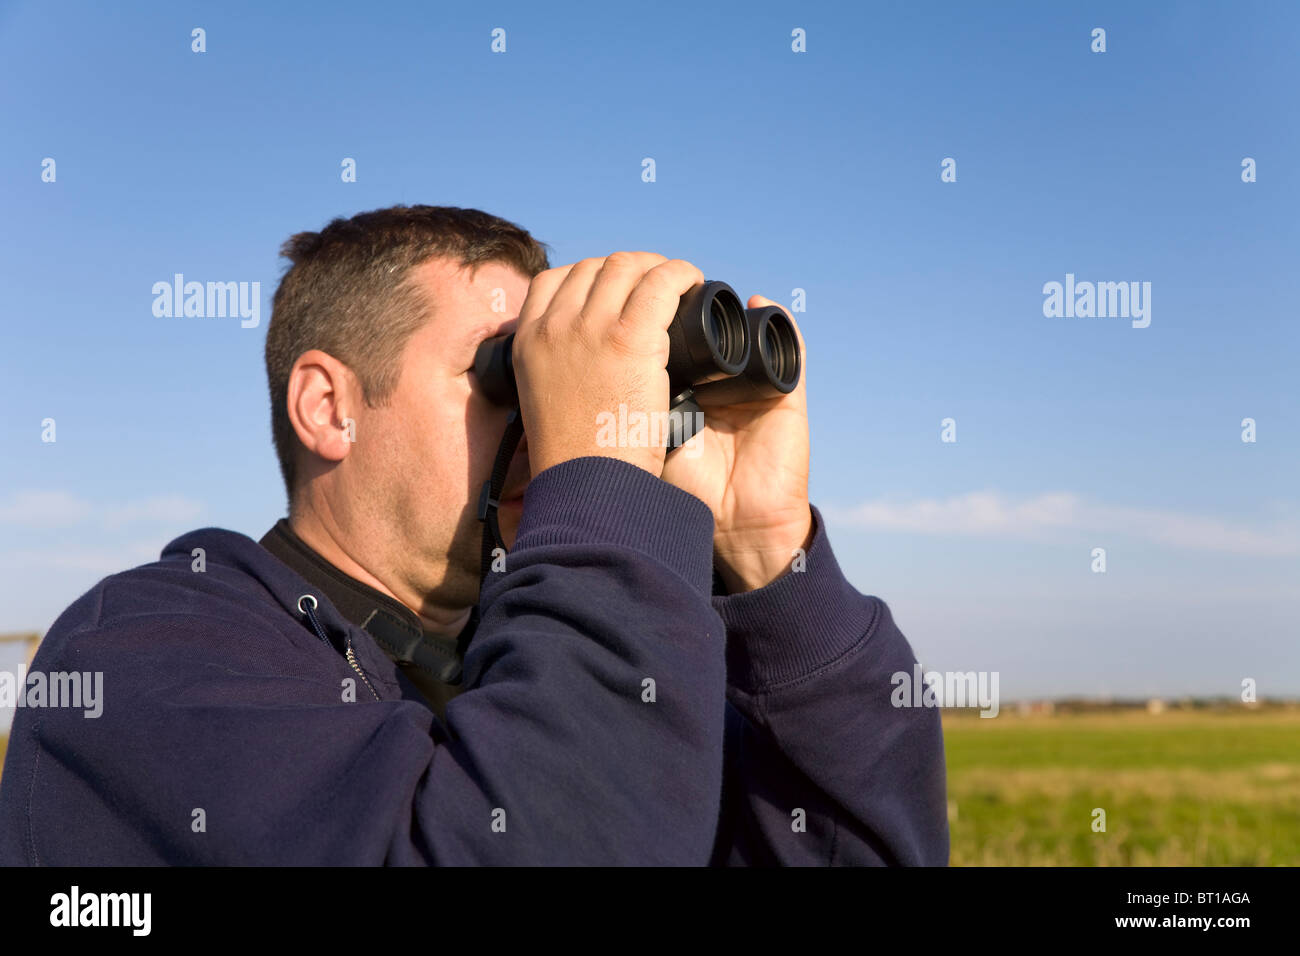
{"x":429,"y":450}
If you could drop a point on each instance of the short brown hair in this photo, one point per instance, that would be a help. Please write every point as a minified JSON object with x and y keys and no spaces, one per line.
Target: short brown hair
{"x":346,"y":294}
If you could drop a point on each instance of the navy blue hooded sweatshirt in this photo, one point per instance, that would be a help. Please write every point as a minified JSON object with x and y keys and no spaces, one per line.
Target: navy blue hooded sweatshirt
{"x":615,"y":712}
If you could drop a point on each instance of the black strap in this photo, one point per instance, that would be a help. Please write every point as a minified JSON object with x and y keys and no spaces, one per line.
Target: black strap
{"x":489,"y":499}
{"x":467,"y":632}
{"x":688,"y":416}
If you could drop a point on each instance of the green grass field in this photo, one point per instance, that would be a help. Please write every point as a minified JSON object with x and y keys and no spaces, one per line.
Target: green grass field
{"x":1179,"y":788}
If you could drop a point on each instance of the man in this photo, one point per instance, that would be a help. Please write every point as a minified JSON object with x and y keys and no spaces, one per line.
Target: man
{"x":329,"y":696}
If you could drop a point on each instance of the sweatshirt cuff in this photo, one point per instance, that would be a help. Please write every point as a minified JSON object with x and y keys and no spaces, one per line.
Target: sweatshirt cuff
{"x":797,"y":624}
{"x":596,"y":500}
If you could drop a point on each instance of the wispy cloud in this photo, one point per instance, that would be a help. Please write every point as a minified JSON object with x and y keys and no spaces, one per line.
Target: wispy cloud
{"x":988,"y":514}
{"x":60,"y":509}
{"x":44,"y":509}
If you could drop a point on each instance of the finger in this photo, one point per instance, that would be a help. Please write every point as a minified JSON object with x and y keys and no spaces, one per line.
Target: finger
{"x":615,"y":282}
{"x":541,"y":289}
{"x":566,"y":305}
{"x":652,"y":305}
{"x":759,"y":302}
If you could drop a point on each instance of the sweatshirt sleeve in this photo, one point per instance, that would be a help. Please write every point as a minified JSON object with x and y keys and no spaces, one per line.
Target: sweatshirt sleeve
{"x":598,"y":673}
{"x":821,"y":768}
{"x":590,"y":732}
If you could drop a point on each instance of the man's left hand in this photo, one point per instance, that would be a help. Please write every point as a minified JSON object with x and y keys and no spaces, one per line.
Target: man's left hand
{"x":751,"y":469}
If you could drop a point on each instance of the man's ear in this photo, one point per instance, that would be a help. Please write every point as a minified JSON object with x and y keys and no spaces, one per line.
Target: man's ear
{"x":323,"y":401}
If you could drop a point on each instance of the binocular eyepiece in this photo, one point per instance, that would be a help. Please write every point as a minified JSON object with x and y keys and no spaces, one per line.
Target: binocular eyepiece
{"x":719,"y":352}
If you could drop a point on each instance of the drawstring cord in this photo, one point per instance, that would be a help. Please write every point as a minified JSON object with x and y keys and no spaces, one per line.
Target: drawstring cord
{"x":310,"y":614}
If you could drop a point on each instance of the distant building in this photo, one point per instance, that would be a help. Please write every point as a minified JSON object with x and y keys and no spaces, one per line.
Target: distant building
{"x":1030,"y":708}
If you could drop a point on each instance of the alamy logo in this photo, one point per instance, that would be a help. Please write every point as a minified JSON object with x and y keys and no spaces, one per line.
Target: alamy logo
{"x":650,"y":429}
{"x":75,"y":908}
{"x":946,"y":689}
{"x":1102,"y":300}
{"x":211,"y":300}
{"x":78,"y":689}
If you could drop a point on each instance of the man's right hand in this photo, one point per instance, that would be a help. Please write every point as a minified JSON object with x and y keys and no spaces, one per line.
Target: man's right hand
{"x":591,"y":336}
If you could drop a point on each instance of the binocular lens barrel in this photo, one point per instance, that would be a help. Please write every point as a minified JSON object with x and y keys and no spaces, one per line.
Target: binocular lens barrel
{"x":709,"y":337}
{"x":726,"y":353}
{"x":778,"y":341}
{"x":494,"y":367}
{"x":774,"y":367}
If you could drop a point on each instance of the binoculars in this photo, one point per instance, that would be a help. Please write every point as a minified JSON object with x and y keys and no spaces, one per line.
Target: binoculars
{"x":720,"y":353}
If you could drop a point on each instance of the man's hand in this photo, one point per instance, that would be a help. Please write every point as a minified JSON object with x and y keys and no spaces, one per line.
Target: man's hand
{"x":593,"y":335}
{"x":752,"y":472}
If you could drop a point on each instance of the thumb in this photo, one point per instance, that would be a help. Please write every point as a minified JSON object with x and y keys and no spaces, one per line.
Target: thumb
{"x":759,"y":302}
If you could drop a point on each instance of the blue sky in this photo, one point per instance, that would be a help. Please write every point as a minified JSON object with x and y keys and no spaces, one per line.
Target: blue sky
{"x":775,"y":170}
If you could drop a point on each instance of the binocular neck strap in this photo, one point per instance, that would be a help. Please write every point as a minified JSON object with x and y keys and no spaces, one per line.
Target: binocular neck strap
{"x":489,"y":497}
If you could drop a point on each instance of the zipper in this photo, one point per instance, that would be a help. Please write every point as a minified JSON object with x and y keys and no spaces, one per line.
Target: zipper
{"x":309,"y":612}
{"x":357,"y":667}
